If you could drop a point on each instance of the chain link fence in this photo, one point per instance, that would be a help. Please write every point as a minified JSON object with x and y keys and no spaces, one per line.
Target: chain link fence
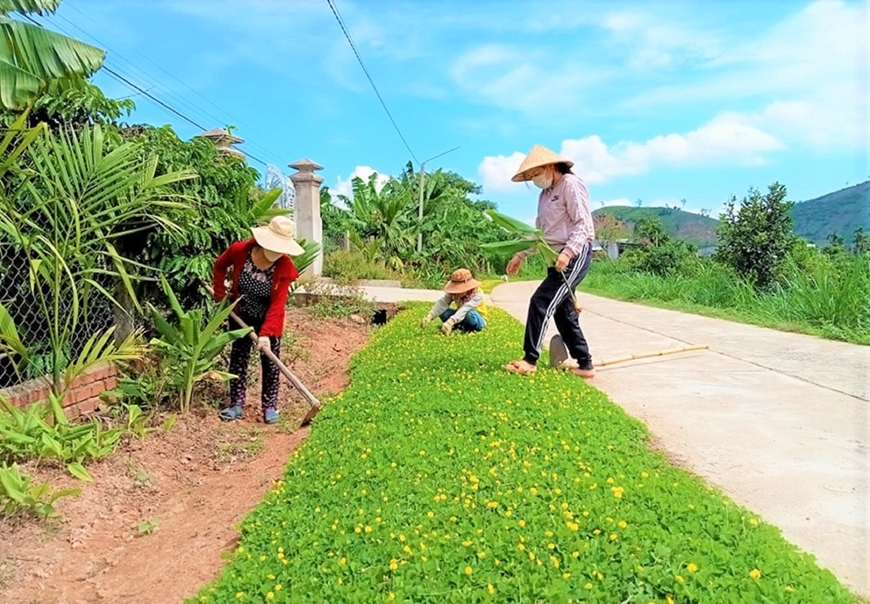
{"x":25,"y":307}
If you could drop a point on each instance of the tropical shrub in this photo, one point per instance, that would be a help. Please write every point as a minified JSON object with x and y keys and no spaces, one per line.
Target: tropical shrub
{"x":190,"y":349}
{"x":755,"y":238}
{"x":64,"y":215}
{"x":353,"y":266}
{"x":18,"y":495}
{"x":436,"y":477}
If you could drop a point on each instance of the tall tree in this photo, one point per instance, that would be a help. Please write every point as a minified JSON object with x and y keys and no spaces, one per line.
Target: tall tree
{"x":755,"y":238}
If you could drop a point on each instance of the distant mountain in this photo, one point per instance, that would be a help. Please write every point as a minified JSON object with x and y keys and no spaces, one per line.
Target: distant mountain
{"x":693,"y":228}
{"x":840,"y":212}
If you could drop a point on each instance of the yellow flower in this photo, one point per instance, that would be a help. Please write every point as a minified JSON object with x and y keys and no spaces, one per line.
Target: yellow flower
{"x":753,"y":522}
{"x":575,"y":554}
{"x":490,"y":588}
{"x":240,"y":595}
{"x":468,"y":570}
{"x":588,"y":586}
{"x":622,"y":524}
{"x":394,"y":564}
{"x":613,"y":536}
{"x":680,"y":579}
{"x":692,"y":567}
{"x":430,"y":514}
{"x":522,"y":523}
{"x":481,"y":555}
{"x":755,"y":573}
{"x":343,"y":561}
{"x":368,"y":529}
{"x":566,"y":575}
{"x":466,"y":543}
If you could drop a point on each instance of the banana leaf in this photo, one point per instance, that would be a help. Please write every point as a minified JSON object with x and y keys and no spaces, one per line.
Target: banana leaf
{"x":508,"y":248}
{"x":511,"y":225}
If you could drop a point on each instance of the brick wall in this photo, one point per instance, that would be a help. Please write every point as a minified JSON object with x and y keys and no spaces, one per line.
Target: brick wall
{"x":82,"y":399}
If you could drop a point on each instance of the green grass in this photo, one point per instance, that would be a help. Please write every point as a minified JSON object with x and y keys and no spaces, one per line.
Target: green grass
{"x":826,"y":299}
{"x":438,"y":477}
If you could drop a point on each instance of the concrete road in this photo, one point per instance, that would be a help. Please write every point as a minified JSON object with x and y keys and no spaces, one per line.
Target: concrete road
{"x":778,"y":421}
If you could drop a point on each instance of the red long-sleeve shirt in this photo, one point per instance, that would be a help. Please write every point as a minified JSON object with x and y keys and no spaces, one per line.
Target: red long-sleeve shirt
{"x":285,"y":273}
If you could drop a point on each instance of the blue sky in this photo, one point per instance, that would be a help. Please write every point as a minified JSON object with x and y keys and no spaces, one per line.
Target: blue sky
{"x":654,"y":100}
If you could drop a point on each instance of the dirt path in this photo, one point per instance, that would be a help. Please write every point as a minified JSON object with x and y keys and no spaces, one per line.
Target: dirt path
{"x":153,"y":525}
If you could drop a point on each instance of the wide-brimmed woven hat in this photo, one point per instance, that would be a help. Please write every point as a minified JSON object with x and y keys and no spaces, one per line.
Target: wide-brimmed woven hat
{"x":537,"y":157}
{"x":461,"y":281}
{"x":278,"y":236}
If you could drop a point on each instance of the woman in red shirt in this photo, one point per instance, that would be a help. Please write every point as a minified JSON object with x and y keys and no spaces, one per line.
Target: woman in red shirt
{"x":262,"y":272}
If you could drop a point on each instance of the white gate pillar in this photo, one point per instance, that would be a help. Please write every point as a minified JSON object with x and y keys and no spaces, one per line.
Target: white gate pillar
{"x":307,"y":211}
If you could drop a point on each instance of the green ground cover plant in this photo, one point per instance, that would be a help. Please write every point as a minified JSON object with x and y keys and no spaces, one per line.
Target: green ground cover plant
{"x":437,"y":477}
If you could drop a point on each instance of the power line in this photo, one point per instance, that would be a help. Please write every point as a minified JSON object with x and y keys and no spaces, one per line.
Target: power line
{"x":167,"y":91}
{"x":141,"y":90}
{"x":369,"y":77}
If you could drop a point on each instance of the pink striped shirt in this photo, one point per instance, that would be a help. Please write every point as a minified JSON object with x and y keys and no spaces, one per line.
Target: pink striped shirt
{"x":564,"y":216}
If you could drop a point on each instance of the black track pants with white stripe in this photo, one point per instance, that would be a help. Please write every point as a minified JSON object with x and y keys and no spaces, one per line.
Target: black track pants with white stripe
{"x":551,"y":299}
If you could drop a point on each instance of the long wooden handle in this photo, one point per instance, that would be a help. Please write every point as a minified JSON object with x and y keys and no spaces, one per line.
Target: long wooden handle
{"x":306,"y":394}
{"x":645,"y":355}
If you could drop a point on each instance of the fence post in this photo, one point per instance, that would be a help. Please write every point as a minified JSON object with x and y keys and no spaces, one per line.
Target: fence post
{"x":307,"y":211}
{"x":346,"y":241}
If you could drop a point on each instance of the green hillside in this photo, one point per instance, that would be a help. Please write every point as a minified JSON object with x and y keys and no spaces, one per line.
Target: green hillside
{"x":693,"y":228}
{"x":840,"y":212}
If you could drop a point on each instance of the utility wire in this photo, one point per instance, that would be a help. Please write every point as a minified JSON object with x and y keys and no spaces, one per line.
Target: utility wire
{"x":369,"y":77}
{"x":141,"y":90}
{"x":166,"y":91}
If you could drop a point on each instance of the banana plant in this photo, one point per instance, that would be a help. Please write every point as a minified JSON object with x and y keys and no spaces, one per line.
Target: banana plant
{"x":190,"y":348}
{"x":32,"y":57}
{"x":528,"y":237}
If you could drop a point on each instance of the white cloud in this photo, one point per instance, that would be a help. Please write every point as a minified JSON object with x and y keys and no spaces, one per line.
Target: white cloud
{"x":496,"y":171}
{"x":808,"y":76}
{"x":533,"y":80}
{"x":726,"y":139}
{"x":345,"y":187}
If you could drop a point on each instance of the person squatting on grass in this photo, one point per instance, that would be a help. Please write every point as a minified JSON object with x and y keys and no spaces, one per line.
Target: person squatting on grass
{"x":262,"y":272}
{"x":470,"y":312}
{"x":565,"y":219}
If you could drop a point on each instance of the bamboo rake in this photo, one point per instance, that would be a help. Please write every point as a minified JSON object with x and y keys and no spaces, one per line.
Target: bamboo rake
{"x":295,"y":381}
{"x":646,"y":355}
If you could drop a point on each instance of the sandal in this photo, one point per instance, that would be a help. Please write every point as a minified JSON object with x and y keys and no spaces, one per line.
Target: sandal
{"x":231,"y":413}
{"x":521,"y":368}
{"x":584,"y":373}
{"x":270,"y":415}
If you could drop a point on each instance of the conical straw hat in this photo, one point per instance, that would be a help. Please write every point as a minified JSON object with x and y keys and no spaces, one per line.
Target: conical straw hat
{"x":537,"y":157}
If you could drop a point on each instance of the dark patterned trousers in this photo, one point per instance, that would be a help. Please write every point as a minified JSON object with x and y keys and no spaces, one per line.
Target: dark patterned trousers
{"x":551,"y":299}
{"x":239,"y":356}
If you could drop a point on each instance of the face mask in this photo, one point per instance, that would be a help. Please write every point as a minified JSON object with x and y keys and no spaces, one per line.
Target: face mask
{"x":271,"y":256}
{"x":543,"y":181}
